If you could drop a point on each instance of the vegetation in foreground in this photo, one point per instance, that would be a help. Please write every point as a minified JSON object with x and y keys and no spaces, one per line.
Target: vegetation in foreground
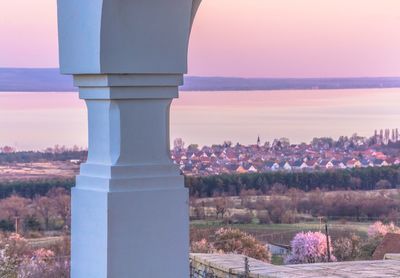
{"x":286,"y":216}
{"x":18,"y":259}
{"x":276,"y":213}
{"x":305,"y":246}
{"x":242,"y":224}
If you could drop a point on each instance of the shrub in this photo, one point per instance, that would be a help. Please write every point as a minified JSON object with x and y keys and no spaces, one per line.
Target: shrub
{"x":368,"y":248}
{"x":263,"y":217}
{"x":346,"y":249}
{"x":246,"y":218}
{"x":238,"y":242}
{"x":7,"y":225}
{"x":378,"y":229}
{"x":309,"y":247}
{"x":31,"y":223}
{"x":17,"y":259}
{"x":276,"y":214}
{"x":289,"y":217}
{"x":44,"y":264}
{"x":383,"y":184}
{"x":202,"y":246}
{"x":12,"y":250}
{"x":343,"y":247}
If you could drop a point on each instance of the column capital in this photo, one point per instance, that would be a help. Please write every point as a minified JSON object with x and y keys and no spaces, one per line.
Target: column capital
{"x":128,"y":86}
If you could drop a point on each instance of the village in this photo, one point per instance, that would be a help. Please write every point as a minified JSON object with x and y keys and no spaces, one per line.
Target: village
{"x":381,"y":149}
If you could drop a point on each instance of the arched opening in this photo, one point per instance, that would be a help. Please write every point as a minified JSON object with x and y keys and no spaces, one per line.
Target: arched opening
{"x":117,"y":193}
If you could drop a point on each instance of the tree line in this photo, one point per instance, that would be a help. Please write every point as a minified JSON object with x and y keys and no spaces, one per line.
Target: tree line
{"x":233,"y":184}
{"x":36,"y":156}
{"x":350,"y":179}
{"x":51,"y":211}
{"x":32,"y":188}
{"x":288,"y":206}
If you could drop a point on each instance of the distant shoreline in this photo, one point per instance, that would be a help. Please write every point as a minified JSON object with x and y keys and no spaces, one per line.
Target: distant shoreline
{"x":50,"y":80}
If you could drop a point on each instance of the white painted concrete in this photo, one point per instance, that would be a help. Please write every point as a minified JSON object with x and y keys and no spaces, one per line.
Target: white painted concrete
{"x":124,"y":36}
{"x":129,"y":207}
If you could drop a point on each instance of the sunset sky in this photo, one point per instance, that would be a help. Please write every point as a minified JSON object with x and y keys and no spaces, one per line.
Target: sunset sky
{"x":249,"y":38}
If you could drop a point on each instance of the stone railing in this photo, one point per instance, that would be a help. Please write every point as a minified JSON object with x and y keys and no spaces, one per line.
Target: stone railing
{"x":238,"y":266}
{"x":223,"y":266}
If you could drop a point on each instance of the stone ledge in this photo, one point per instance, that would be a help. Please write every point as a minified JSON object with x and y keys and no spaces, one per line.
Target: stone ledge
{"x":392,"y":257}
{"x":232,"y":266}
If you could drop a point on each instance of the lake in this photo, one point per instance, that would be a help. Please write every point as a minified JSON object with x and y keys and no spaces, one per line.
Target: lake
{"x":40,"y":120}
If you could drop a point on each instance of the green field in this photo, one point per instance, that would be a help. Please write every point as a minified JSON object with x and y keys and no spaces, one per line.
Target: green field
{"x":283,"y":233}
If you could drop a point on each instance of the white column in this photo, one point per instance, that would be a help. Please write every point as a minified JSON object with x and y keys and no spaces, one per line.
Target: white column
{"x":129,"y":211}
{"x":129,"y":207}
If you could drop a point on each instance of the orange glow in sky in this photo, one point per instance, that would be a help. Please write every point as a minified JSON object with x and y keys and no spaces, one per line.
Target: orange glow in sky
{"x":249,"y":38}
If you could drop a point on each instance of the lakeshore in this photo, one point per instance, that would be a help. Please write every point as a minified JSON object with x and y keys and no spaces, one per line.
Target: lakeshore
{"x":206,"y":118}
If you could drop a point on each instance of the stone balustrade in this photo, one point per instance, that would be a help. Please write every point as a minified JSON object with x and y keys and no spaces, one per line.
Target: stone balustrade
{"x":233,"y":266}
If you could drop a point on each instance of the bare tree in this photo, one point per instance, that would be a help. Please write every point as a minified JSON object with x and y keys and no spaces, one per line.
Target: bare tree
{"x":45,"y":209}
{"x":62,"y":205}
{"x":383,"y":184}
{"x":14,"y":207}
{"x":179,"y":145}
{"x":221,"y":205}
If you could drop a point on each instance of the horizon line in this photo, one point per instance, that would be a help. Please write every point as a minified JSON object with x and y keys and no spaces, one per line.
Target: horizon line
{"x":222,"y":76}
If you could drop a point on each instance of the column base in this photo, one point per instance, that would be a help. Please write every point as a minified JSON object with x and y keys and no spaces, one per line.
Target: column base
{"x":134,"y":233}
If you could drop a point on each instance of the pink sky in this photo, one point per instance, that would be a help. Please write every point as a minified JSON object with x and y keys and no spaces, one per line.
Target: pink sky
{"x":249,"y":38}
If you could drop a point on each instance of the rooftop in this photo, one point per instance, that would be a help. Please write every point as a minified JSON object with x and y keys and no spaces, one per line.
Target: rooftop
{"x":390,"y":244}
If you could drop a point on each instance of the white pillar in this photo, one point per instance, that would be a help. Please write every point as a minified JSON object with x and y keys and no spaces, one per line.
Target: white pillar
{"x":130,"y":207}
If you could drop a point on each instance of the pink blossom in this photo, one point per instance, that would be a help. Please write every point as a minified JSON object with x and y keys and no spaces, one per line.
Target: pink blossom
{"x":309,"y":247}
{"x":44,"y":264}
{"x":202,"y":246}
{"x":378,"y":229}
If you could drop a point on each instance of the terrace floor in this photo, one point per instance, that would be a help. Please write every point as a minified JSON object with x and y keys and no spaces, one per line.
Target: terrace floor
{"x":234,"y":264}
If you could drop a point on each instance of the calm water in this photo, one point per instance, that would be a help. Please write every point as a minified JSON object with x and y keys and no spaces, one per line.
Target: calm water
{"x":39,"y":120}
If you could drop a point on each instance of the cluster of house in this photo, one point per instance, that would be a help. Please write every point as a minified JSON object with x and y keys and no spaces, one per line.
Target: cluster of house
{"x":219,"y":159}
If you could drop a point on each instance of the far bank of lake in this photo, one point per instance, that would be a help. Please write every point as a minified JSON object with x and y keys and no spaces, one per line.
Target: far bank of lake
{"x":39,"y":120}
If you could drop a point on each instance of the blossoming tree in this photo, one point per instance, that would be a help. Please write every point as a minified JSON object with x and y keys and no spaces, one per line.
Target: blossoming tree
{"x":310,"y":247}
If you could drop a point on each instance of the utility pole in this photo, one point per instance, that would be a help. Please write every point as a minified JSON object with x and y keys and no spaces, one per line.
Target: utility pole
{"x":16,"y":224}
{"x":327,"y":240}
{"x":320,"y":223}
